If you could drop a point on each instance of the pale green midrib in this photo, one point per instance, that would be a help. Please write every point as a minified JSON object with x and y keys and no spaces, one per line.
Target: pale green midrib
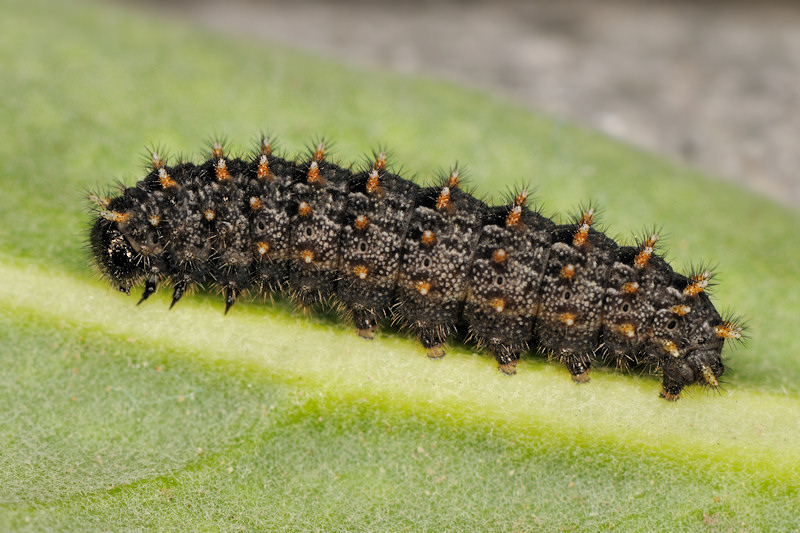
{"x":755,"y":431}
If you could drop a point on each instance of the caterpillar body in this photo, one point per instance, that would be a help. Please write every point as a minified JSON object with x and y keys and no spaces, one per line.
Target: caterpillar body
{"x":435,"y":258}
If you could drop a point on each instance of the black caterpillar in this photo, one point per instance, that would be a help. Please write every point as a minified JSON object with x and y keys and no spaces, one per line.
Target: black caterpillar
{"x":434,"y":257}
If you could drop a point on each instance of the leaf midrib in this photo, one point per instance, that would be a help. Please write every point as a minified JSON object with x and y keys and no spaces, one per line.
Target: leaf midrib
{"x":746,"y":428}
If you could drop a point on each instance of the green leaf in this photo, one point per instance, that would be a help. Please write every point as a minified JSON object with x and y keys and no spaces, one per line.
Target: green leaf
{"x":264,"y":418}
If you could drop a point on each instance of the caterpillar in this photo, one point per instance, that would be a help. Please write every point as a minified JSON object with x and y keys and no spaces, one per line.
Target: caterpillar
{"x":435,"y":259}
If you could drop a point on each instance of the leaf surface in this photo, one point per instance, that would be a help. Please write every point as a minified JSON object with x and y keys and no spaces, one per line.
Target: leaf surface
{"x":118,"y":414}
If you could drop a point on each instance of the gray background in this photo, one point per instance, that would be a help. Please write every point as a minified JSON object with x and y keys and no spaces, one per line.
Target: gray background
{"x":712,"y":84}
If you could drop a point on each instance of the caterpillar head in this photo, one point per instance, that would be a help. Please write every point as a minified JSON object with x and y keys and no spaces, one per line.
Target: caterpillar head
{"x":694,"y":352}
{"x":702,"y":364}
{"x":114,"y":255}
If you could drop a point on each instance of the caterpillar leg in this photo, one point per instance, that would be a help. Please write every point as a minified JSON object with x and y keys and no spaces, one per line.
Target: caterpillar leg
{"x":180,"y":289}
{"x":434,"y":342}
{"x":366,"y":333}
{"x":231,"y":293}
{"x":578,"y":366}
{"x":149,"y":288}
{"x":507,"y":357}
{"x":366,"y":323}
{"x":671,"y":391}
{"x":676,"y":375}
{"x":509,"y":368}
{"x":436,"y":351}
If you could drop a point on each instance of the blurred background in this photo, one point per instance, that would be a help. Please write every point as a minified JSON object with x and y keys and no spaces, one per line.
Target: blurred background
{"x":712,"y":84}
